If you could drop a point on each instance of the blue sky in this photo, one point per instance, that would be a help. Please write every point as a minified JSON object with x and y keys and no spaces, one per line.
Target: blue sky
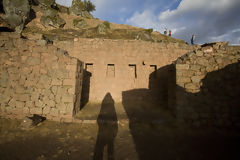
{"x":209,"y":20}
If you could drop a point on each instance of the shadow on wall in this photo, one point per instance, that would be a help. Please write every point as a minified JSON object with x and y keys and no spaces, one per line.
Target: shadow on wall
{"x":85,"y":88}
{"x":78,"y":88}
{"x":219,"y":97}
{"x":217,"y":104}
{"x":1,"y":7}
{"x":149,"y":104}
{"x":108,"y":128}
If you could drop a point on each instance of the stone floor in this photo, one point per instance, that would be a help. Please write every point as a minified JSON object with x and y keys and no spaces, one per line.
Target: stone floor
{"x":119,"y":141}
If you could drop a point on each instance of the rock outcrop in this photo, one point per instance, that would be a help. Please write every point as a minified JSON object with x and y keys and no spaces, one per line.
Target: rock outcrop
{"x":79,"y":23}
{"x":52,"y":19}
{"x":78,"y":9}
{"x":16,"y":13}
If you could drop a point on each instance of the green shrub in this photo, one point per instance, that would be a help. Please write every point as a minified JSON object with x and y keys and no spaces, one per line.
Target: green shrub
{"x":89,"y":6}
{"x":107,"y":24}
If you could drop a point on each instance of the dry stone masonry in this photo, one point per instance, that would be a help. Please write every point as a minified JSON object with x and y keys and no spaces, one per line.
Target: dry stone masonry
{"x":208,"y":86}
{"x":36,"y":78}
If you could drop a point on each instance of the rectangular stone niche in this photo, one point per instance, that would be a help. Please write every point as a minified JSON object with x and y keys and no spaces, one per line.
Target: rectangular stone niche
{"x":89,"y":67}
{"x":110,"y":70}
{"x":153,"y":70}
{"x":133,"y":70}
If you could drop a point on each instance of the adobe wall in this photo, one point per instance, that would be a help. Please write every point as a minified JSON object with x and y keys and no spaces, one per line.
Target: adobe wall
{"x":208,"y":86}
{"x":36,"y":78}
{"x":119,"y":65}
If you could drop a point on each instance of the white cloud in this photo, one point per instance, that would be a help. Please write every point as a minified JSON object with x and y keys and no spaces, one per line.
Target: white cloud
{"x":144,"y":19}
{"x":209,"y":20}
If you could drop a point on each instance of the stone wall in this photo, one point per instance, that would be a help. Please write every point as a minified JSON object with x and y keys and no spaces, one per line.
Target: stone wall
{"x":115,"y":66}
{"x":208,"y":87}
{"x":36,"y":78}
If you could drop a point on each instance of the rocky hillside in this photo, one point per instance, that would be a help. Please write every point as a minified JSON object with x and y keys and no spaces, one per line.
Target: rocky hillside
{"x":45,"y":18}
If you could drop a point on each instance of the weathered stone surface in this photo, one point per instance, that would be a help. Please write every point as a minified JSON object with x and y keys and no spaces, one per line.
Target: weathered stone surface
{"x":26,"y":110}
{"x":182,"y":66}
{"x":44,"y":79}
{"x":20,"y":104}
{"x":60,"y":74}
{"x":192,"y":86}
{"x":183,"y":79}
{"x":17,"y":12}
{"x":196,"y":79}
{"x":41,"y":42}
{"x":54,"y":112}
{"x":46,"y":110}
{"x":102,"y":29}
{"x":78,"y":9}
{"x":207,"y":49}
{"x":33,"y":61}
{"x":4,"y":79}
{"x":67,"y":98}
{"x":52,"y":19}
{"x":51,"y":103}
{"x":36,"y":111}
{"x":55,"y":22}
{"x":69,"y":82}
{"x":22,"y":97}
{"x":39,"y":103}
{"x":199,"y":53}
{"x":79,"y":23}
{"x":29,"y":104}
{"x":203,"y":61}
{"x":195,"y":67}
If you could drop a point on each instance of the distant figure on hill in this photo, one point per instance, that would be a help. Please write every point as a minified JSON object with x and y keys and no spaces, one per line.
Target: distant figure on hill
{"x":165,"y":31}
{"x":192,"y":39}
{"x":170,"y":33}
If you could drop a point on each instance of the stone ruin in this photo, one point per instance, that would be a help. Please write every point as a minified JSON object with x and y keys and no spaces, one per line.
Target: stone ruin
{"x":208,"y":87}
{"x":54,"y":78}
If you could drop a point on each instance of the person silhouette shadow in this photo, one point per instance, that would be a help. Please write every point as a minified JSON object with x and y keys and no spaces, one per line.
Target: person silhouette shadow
{"x":107,"y":129}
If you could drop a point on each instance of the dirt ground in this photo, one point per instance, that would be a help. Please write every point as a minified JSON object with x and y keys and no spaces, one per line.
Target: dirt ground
{"x":120,"y":141}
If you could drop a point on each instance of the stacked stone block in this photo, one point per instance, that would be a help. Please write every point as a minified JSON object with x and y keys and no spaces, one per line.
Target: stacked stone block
{"x":208,"y":86}
{"x":36,"y":78}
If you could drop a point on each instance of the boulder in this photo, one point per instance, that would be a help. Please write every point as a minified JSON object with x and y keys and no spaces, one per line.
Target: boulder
{"x":102,"y":29}
{"x":55,"y":22}
{"x":52,"y":19}
{"x":16,"y":13}
{"x":50,"y":12}
{"x":145,"y":36}
{"x":79,"y":23}
{"x":4,"y":23}
{"x":86,"y":14}
{"x":31,"y":122}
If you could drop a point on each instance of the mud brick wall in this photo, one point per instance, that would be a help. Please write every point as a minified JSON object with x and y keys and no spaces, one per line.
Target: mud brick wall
{"x":36,"y":78}
{"x":208,"y":86}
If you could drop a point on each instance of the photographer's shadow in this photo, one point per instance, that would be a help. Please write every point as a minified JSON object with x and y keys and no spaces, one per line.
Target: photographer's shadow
{"x":108,"y":128}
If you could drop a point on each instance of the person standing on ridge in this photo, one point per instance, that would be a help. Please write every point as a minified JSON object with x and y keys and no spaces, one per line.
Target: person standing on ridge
{"x":165,"y":31}
{"x":192,"y":39}
{"x":170,"y":33}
